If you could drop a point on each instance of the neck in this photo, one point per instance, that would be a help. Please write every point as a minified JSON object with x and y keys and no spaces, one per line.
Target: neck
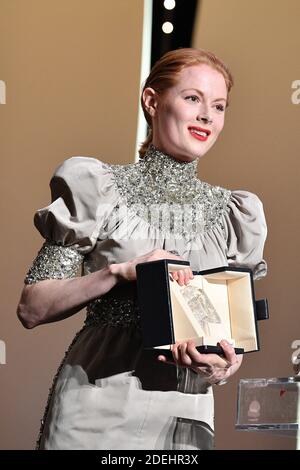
{"x":165,"y":164}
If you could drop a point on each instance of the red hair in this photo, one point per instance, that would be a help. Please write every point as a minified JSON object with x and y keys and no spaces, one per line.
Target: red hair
{"x":165,"y":71}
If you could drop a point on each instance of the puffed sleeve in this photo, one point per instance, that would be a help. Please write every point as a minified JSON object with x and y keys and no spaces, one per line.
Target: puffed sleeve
{"x":80,"y":193}
{"x":246,"y":232}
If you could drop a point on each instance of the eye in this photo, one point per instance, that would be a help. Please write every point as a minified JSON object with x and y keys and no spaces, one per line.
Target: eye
{"x":220,"y":107}
{"x":193,"y":98}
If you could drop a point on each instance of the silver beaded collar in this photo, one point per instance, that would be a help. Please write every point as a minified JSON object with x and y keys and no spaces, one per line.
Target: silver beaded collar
{"x":168,"y":172}
{"x":168,"y":195}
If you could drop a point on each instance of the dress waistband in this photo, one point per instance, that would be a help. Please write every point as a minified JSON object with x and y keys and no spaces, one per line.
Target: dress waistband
{"x":119,"y":307}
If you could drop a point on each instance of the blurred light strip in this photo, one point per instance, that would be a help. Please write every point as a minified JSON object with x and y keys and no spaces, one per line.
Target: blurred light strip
{"x":169,"y":4}
{"x":2,"y":92}
{"x":145,"y":69}
{"x":167,"y":27}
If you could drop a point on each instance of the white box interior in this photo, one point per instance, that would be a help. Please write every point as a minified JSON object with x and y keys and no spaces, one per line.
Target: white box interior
{"x":213,"y":307}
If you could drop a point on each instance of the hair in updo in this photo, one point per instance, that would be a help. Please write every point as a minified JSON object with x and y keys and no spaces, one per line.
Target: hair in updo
{"x":165,"y":71}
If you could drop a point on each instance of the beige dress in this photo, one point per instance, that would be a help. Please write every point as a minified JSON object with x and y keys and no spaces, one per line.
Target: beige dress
{"x":110,"y":393}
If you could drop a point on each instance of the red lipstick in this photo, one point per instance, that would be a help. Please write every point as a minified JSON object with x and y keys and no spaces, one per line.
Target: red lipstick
{"x":199,"y":133}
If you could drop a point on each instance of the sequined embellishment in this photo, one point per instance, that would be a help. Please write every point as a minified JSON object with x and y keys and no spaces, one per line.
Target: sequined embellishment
{"x":113,"y":312}
{"x":167,"y":194}
{"x":54,"y":262}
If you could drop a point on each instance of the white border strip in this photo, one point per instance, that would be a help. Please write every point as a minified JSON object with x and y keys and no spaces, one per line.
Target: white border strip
{"x":298,"y":419}
{"x":145,"y":69}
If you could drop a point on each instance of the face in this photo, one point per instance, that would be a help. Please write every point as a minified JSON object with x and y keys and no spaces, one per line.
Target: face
{"x":189,"y":117}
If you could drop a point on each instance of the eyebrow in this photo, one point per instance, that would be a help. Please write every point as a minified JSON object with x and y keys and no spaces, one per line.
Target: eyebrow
{"x":202,"y":94}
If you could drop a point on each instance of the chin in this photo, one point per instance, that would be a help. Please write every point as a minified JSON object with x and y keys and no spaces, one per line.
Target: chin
{"x":200,"y":149}
{"x":195,"y":154}
{"x":184,"y":157}
{"x":202,"y":153}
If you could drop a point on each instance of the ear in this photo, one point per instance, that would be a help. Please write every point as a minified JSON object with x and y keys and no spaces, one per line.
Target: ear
{"x":150,"y":100}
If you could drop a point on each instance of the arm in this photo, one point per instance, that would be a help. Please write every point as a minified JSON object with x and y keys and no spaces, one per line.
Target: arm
{"x":83,"y":196}
{"x":55,"y":299}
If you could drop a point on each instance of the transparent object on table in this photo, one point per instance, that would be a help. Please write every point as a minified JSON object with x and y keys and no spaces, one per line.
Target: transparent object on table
{"x":269,"y":404}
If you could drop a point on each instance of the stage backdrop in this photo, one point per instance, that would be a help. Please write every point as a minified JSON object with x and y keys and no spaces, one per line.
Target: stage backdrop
{"x":259,"y":152}
{"x":71,"y":70}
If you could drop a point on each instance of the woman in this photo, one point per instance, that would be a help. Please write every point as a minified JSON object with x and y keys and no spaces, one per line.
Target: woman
{"x":109,"y":393}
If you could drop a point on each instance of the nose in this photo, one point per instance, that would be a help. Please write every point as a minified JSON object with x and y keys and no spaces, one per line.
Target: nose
{"x":205,"y":119}
{"x":204,"y":115}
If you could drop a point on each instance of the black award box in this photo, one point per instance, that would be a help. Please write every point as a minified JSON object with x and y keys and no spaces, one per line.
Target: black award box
{"x":216,"y":304}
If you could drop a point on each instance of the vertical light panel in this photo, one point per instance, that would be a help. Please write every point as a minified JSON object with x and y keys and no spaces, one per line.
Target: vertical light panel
{"x":2,"y":92}
{"x":145,"y":69}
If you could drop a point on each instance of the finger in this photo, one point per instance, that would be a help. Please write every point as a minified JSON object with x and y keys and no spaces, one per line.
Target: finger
{"x":195,"y":356}
{"x":207,"y":361}
{"x":163,"y":359}
{"x":184,"y":358}
{"x":175,"y":275}
{"x":175,"y":353}
{"x":237,"y":364}
{"x":229,"y":352}
{"x":187,"y":275}
{"x":204,"y":371}
{"x":180,"y":277}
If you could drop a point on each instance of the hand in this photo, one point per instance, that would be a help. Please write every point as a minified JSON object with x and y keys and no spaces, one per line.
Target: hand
{"x":214,"y":367}
{"x":127,"y":271}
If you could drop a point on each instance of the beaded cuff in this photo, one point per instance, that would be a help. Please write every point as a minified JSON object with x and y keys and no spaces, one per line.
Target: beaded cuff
{"x":54,"y":262}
